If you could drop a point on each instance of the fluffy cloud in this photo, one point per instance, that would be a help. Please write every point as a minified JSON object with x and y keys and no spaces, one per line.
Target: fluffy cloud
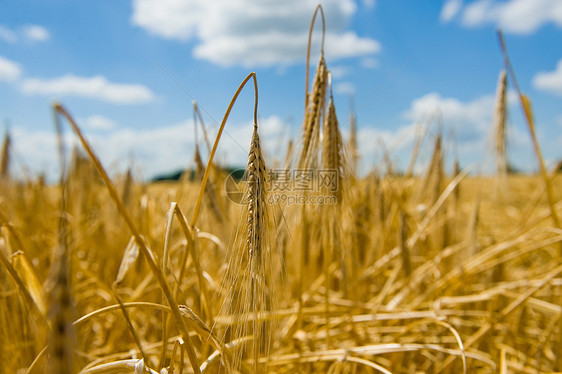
{"x":369,"y":3}
{"x":9,"y":70}
{"x":36,"y":33}
{"x":450,"y":9}
{"x":30,"y":33}
{"x":339,"y":71}
{"x":7,"y":35}
{"x":97,"y":87}
{"x":250,"y":33}
{"x":369,"y":63}
{"x":97,"y":122}
{"x":550,"y":81}
{"x":344,"y":88}
{"x":515,"y":16}
{"x":470,"y":120}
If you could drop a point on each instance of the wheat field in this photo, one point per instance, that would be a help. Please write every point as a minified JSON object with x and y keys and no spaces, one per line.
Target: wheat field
{"x":304,"y":268}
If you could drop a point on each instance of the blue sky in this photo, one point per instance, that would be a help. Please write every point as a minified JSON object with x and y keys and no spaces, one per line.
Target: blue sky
{"x":128,"y":71}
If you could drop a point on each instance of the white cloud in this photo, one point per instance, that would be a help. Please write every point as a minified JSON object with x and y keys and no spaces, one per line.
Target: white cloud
{"x":98,"y":122}
{"x":9,"y":70}
{"x":344,"y":88}
{"x":31,"y":33}
{"x":374,"y":142}
{"x":450,"y":9}
{"x":250,"y":33}
{"x":369,"y":3}
{"x":469,"y":122}
{"x":452,"y":108}
{"x":7,"y":35}
{"x":369,"y":63}
{"x":550,"y":81}
{"x":516,"y":16}
{"x":339,"y":71}
{"x":97,"y":87}
{"x":36,"y":33}
{"x":278,"y":48}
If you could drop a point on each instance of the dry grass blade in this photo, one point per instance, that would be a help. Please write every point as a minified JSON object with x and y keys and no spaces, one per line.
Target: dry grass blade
{"x":30,"y":280}
{"x":129,"y":322}
{"x":178,"y":345}
{"x":35,"y":362}
{"x":119,"y":367}
{"x":129,"y":257}
{"x":192,"y":247}
{"x":20,"y":283}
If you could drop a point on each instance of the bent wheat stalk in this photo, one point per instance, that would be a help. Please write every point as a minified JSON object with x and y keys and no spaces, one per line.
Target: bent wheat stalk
{"x":140,"y":241}
{"x":215,"y":145}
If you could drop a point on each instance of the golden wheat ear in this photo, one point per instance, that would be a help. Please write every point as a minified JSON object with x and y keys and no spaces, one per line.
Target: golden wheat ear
{"x":500,"y":120}
{"x":332,"y":148}
{"x":313,"y":117}
{"x":256,"y":175}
